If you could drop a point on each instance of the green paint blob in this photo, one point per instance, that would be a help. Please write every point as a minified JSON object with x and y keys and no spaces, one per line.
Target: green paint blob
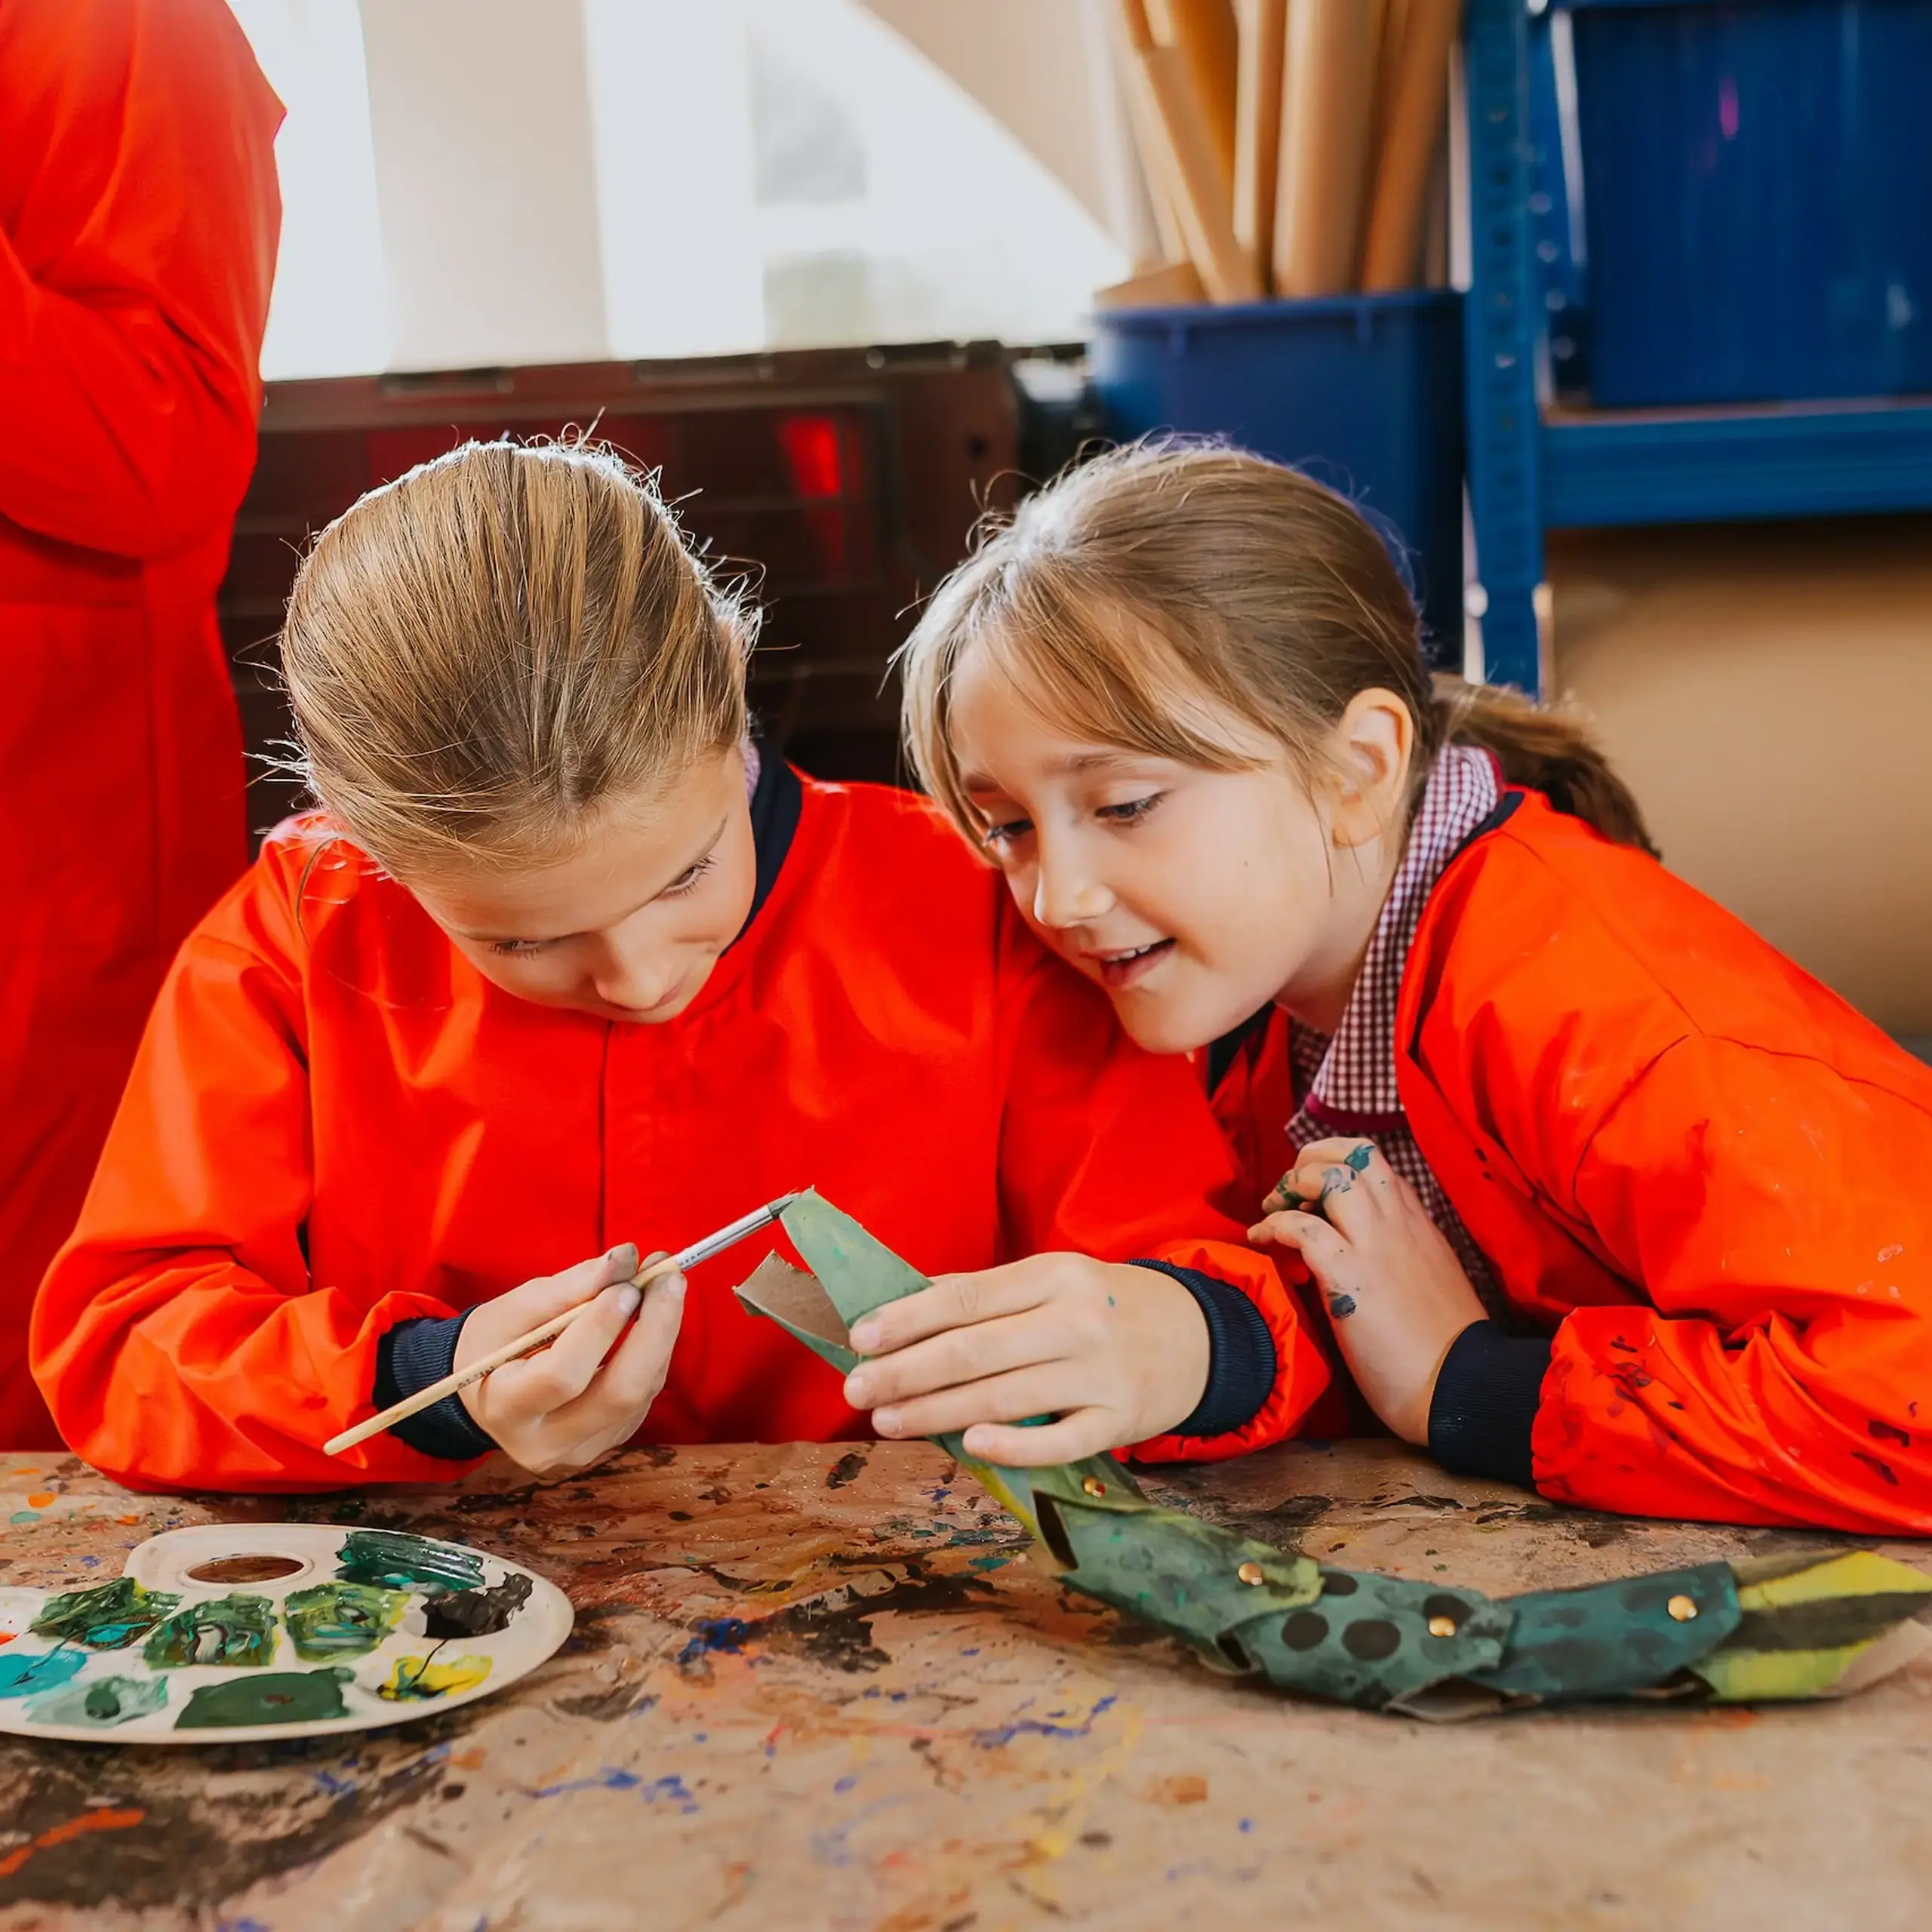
{"x":109,"y":1617}
{"x":101,"y":1704}
{"x":276,"y":1696}
{"x":341,"y":1619}
{"x":237,"y":1629}
{"x":392,"y":1560}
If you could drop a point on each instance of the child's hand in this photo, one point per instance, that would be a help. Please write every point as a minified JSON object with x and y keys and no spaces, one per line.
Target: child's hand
{"x":567,"y":1406}
{"x":1116,"y":1353}
{"x":1397,"y":1296}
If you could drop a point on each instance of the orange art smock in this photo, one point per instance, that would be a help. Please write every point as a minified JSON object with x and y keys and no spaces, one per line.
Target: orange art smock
{"x":1706,"y":1177}
{"x":335,"y":1124}
{"x":138,"y":220}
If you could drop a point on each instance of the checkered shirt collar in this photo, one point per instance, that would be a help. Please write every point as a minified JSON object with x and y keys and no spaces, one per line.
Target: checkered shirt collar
{"x":1356,"y":1074}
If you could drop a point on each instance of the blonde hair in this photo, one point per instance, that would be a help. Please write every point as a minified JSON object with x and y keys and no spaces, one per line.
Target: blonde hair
{"x":481,"y":653}
{"x":1149,"y":597}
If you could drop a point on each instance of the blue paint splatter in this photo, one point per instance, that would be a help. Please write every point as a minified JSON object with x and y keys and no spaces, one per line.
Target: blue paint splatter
{"x":90,"y":1563}
{"x":716,"y":1633}
{"x":614,"y":1777}
{"x":986,"y":1563}
{"x":846,"y":1783}
{"x":335,"y":1787}
{"x":973,"y":1653}
{"x":239,"y":1925}
{"x":1005,"y":1733}
{"x":1247,"y":1824}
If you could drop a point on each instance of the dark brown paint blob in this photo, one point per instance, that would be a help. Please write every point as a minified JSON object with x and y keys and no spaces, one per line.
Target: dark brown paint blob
{"x":1338,"y":1583}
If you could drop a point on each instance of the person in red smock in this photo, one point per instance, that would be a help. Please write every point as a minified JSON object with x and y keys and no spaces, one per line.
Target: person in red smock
{"x":570,"y":965}
{"x":1597,"y":1191}
{"x":138,"y":220}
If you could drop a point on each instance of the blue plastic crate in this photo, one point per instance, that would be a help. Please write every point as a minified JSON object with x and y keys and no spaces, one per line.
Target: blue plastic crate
{"x":1757,"y":192}
{"x":1363,"y":392}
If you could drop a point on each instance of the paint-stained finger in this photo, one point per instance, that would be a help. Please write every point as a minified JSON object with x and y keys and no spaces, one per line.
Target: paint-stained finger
{"x":1320,"y":1243}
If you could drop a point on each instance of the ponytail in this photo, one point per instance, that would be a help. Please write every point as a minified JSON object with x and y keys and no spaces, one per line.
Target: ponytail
{"x":1543,"y":750}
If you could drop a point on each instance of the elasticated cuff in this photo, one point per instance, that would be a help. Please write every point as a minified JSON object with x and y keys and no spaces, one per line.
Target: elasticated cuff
{"x":1242,"y":1360}
{"x":1486,"y":1395}
{"x":412,"y":1355}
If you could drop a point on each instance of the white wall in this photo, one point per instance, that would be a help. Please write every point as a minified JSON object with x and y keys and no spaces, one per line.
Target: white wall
{"x":476,"y":182}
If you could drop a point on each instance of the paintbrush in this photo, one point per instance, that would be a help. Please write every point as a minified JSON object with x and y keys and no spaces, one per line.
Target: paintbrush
{"x":549,"y":1331}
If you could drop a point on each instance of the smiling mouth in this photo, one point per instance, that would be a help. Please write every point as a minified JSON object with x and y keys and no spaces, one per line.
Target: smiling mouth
{"x":1116,"y":970}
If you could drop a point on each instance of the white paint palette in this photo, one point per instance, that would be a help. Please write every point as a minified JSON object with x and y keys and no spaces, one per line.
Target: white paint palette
{"x":230,"y":1633}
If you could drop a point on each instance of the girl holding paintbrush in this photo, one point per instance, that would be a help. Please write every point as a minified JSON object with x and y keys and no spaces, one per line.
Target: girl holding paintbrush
{"x":564,"y":958}
{"x":1598,"y":1191}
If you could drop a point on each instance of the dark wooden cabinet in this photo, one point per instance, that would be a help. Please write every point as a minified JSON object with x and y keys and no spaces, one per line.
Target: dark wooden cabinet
{"x":845,"y":483}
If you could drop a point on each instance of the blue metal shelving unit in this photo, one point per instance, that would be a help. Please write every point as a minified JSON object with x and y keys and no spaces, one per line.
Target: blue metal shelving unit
{"x":1534,"y":465}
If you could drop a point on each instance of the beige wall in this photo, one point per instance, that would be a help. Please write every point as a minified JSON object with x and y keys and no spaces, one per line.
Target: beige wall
{"x":1768,"y":689}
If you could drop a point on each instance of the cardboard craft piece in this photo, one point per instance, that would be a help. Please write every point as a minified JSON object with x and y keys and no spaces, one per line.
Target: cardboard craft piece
{"x":1797,"y":1627}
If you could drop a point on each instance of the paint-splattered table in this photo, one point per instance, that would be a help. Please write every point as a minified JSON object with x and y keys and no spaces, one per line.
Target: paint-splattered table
{"x":816,"y":1687}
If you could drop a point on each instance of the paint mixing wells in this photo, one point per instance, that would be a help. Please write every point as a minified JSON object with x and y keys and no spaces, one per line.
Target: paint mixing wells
{"x":228,"y":1632}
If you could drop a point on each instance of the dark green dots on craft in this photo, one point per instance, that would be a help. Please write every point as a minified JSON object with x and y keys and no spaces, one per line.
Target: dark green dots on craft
{"x":1371,"y":1640}
{"x":1304,"y":1630}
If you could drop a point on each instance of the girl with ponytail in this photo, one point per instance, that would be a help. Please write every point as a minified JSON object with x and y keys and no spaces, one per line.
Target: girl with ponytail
{"x":1595,"y":1190}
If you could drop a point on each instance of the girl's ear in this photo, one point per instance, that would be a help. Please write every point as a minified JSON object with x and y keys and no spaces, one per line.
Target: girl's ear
{"x":1373,"y":744}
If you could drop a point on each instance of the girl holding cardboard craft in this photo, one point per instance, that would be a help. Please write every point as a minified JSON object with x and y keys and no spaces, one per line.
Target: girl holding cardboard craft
{"x":565,"y":959}
{"x":1598,"y":1191}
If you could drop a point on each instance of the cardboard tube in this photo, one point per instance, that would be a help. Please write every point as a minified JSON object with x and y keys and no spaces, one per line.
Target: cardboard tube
{"x":1186,"y":155}
{"x":1203,"y":32}
{"x":1149,"y":141}
{"x":1327,"y":105}
{"x":1263,"y":25}
{"x":1171,"y":286}
{"x":1418,"y":106}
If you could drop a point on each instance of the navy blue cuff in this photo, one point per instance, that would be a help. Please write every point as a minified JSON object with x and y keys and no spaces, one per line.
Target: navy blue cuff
{"x":1241,"y":1362}
{"x":1484,"y":1407}
{"x":412,"y":1355}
